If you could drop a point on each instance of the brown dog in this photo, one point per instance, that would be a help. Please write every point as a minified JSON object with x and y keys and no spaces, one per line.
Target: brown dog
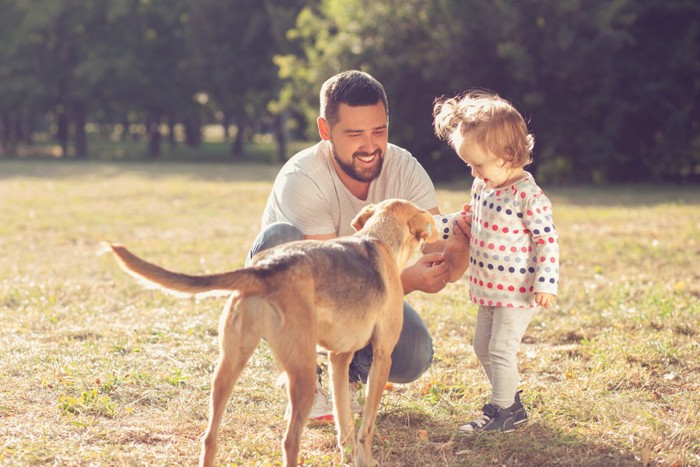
{"x":339,"y":294}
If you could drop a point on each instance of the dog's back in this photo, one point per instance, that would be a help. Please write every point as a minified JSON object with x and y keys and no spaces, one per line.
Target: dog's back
{"x":346,"y":281}
{"x":349,"y":269}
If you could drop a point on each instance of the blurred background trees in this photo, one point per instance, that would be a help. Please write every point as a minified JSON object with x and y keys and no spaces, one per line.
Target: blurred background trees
{"x":610,"y":87}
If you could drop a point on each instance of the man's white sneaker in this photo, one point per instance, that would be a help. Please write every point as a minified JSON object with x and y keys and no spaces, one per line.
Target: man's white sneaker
{"x":321,"y":411}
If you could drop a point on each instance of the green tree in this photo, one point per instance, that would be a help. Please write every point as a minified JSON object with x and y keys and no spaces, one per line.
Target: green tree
{"x":20,"y":89}
{"x":49,"y":51}
{"x":589,"y":76}
{"x":411,"y":46}
{"x":282,"y":18}
{"x":560,"y":66}
{"x":234,"y":49}
{"x":656,"y":124}
{"x":159,"y":81}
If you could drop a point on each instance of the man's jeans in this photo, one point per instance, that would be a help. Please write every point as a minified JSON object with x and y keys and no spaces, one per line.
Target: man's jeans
{"x":413,"y":353}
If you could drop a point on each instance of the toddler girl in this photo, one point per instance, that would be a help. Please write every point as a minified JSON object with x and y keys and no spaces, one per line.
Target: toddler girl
{"x":514,"y":255}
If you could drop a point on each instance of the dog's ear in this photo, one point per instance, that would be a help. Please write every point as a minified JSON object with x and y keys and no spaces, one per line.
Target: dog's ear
{"x":422,"y":226}
{"x":362,"y":216}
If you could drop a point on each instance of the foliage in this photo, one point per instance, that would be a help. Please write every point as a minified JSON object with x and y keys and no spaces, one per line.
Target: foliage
{"x":578,"y":70}
{"x":610,"y":87}
{"x":234,"y":49}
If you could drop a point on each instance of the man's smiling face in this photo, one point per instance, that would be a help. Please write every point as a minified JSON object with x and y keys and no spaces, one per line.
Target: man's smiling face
{"x":359,"y":140}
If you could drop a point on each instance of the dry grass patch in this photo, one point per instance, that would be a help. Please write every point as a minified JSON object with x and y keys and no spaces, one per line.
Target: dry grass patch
{"x":97,"y":371}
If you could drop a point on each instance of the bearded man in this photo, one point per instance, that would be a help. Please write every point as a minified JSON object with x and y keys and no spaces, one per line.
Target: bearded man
{"x":321,"y":189}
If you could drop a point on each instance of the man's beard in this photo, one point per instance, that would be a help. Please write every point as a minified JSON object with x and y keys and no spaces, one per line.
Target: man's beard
{"x":361,"y":175}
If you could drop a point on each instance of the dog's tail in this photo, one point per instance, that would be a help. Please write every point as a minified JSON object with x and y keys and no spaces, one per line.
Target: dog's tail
{"x":153,"y":276}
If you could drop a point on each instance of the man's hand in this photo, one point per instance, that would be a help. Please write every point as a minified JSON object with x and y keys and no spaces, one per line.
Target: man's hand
{"x":430,"y":274}
{"x":544,"y":299}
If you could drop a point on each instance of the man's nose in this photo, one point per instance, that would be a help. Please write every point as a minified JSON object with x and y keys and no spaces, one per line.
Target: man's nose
{"x":368,"y":142}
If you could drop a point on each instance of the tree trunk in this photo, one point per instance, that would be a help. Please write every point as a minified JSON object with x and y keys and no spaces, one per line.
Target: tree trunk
{"x":20,"y":129}
{"x":28,"y":133}
{"x":6,"y":136}
{"x":154,"y":137}
{"x":171,"y":132}
{"x":281,"y":136}
{"x":226,"y":122}
{"x":106,"y":130}
{"x":193,"y":130}
{"x":238,"y":146}
{"x":4,"y":141}
{"x":125,"y":131}
{"x":62,"y":131}
{"x":80,"y":136}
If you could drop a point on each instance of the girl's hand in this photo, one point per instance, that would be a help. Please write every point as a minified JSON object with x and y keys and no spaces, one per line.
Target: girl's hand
{"x":544,"y":299}
{"x":457,"y":247}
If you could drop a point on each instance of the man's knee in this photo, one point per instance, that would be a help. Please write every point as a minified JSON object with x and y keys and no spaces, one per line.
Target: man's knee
{"x":421,"y":360}
{"x":274,"y":235}
{"x":413,"y":354}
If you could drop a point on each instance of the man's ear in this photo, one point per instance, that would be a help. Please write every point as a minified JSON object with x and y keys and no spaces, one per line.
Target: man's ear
{"x":362,"y":216}
{"x":422,"y":226}
{"x":324,"y":128}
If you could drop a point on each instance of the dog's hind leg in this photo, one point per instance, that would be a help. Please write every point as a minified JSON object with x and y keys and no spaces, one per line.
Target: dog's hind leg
{"x":236,"y":348}
{"x":340,"y":363}
{"x":294,"y":347}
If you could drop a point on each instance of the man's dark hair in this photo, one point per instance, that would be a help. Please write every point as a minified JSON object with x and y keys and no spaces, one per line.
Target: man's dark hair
{"x":353,"y":88}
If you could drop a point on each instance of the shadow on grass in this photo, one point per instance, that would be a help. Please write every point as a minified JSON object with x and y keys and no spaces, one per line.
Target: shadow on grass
{"x":426,"y":442}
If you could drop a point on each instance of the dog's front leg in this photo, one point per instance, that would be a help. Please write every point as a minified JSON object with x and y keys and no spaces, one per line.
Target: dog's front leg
{"x":340,"y":364}
{"x":300,"y":389}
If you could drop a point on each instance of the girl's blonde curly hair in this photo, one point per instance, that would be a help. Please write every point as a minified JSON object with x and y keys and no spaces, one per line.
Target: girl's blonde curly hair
{"x":490,"y":120}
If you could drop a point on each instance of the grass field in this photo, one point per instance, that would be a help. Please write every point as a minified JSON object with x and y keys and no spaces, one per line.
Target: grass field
{"x":95,"y":370}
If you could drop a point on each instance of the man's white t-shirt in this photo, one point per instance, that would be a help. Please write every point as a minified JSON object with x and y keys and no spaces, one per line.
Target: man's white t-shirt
{"x":308,"y":194}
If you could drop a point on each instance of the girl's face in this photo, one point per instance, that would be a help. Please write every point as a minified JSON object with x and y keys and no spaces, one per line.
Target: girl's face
{"x":484,"y":164}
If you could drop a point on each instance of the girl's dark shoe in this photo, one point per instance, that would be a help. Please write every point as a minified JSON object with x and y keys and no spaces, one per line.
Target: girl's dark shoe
{"x":493,"y":419}
{"x":518,"y":411}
